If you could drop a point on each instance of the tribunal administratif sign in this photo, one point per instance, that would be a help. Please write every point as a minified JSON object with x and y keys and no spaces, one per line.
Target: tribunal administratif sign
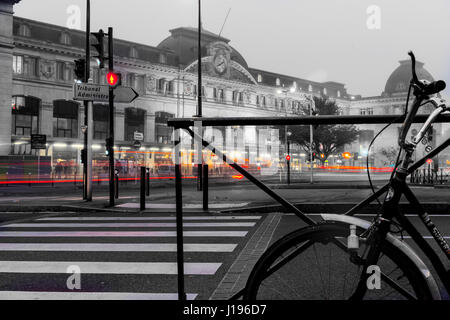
{"x":94,"y":92}
{"x":90,"y":92}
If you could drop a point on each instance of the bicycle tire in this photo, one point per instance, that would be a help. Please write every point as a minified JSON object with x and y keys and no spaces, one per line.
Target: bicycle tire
{"x":324,"y":234}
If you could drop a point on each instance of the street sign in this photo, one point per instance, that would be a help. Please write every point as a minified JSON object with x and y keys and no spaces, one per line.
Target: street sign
{"x":137,"y":144}
{"x":94,"y":92}
{"x":428,"y":148}
{"x":38,"y":141}
{"x":138,"y":136}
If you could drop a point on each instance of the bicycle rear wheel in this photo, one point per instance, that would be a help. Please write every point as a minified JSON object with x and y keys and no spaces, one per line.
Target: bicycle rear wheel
{"x":309,"y":264}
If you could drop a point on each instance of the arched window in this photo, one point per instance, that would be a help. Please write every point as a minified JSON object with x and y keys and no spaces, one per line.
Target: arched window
{"x":25,"y":115}
{"x":65,"y":119}
{"x":163,"y":132}
{"x":134,"y":121}
{"x":259,"y":77}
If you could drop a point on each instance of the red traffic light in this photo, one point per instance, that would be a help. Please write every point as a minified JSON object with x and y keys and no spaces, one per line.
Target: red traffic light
{"x":113,"y":79}
{"x":429,"y":161}
{"x":288,"y":158}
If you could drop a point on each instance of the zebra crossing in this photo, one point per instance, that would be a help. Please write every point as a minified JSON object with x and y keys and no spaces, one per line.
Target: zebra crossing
{"x":117,"y":257}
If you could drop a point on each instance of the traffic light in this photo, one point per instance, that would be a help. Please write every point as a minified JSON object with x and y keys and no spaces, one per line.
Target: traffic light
{"x":113,"y":79}
{"x":80,"y":69}
{"x":83,"y":156}
{"x":356,"y":156}
{"x":109,"y":145}
{"x":100,"y":47}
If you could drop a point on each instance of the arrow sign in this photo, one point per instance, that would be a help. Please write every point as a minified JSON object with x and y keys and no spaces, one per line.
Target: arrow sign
{"x":125,"y":95}
{"x":94,"y":92}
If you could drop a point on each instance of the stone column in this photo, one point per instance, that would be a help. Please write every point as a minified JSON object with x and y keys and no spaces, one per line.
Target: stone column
{"x":119,"y":130}
{"x":6,"y":62}
{"x":46,"y":120}
{"x":150,"y":128}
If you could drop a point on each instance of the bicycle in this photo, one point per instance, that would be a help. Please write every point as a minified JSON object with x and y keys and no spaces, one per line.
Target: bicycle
{"x":376,"y":264}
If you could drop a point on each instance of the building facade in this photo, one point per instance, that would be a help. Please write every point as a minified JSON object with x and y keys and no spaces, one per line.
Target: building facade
{"x":36,"y":93}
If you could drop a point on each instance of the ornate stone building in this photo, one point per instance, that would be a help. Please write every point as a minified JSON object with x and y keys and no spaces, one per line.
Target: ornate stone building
{"x":36,"y":95}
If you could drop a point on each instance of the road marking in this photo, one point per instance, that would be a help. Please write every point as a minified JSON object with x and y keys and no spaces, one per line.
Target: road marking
{"x":135,"y":205}
{"x":118,"y":247}
{"x":128,"y":225}
{"x":26,"y":234}
{"x":30,"y":295}
{"x":149,"y":218}
{"x":158,"y":268}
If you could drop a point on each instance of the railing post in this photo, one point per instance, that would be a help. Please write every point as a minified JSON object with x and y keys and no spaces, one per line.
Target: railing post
{"x":205,"y":187}
{"x":116,"y":184}
{"x":179,"y":216}
{"x":142,"y":206}
{"x":147,"y":182}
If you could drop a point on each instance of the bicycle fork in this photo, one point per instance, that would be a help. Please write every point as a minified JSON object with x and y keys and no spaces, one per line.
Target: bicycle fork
{"x":377,"y":234}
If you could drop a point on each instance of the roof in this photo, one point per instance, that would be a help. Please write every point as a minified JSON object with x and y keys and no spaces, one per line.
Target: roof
{"x":399,"y":80}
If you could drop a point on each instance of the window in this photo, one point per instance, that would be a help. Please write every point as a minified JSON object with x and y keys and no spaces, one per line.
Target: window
{"x":263,"y":101}
{"x":162,"y":58}
{"x":65,"y":119}
{"x":366,"y":111}
{"x":134,"y":53}
{"x":310,"y":88}
{"x":18,"y":64}
{"x":134,"y":121}
{"x":65,"y":39}
{"x":24,"y":30}
{"x":325,"y":91}
{"x":131,"y":78}
{"x":276,"y":103}
{"x":257,"y":100}
{"x":101,"y":121}
{"x":277,"y":82}
{"x":163,"y":132}
{"x":259,"y":78}
{"x":31,"y":67}
{"x":25,"y":115}
{"x":338,"y":93}
{"x":60,"y":71}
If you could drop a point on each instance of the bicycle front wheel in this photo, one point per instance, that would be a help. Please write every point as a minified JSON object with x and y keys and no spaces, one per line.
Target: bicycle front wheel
{"x":314,"y":263}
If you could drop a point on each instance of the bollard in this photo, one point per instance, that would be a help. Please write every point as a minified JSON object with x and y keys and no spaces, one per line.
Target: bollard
{"x":142,"y":206}
{"x":7,"y":179}
{"x":147,"y":182}
{"x":205,"y":187}
{"x":116,"y":184}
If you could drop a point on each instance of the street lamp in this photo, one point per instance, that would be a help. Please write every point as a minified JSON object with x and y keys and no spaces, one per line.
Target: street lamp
{"x":286,"y":133}
{"x":311,"y":136}
{"x":288,"y":157}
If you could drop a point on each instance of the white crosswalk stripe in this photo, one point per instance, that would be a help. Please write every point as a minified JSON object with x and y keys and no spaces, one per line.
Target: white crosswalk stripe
{"x":48,"y":247}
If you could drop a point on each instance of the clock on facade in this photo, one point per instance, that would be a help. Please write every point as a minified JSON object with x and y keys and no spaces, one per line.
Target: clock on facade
{"x":220,"y":64}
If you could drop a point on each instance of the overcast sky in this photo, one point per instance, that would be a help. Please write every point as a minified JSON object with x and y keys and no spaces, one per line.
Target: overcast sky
{"x":321,"y":40}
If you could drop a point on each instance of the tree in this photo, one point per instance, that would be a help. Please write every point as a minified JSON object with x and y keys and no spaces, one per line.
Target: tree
{"x":327,"y":138}
{"x":390,"y":153}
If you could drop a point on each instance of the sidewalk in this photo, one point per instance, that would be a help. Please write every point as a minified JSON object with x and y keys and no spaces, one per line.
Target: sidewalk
{"x":337,"y":197}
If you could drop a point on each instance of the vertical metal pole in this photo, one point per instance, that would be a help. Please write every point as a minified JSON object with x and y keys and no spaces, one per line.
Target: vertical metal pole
{"x":90,"y":135}
{"x":199,"y":90}
{"x":111,"y":119}
{"x":289,"y":163}
{"x":311,"y":139}
{"x":86,"y":78}
{"x":205,"y":187}
{"x":116,"y":184}
{"x":39,"y":166}
{"x":142,"y":206}
{"x":179,"y":218}
{"x":147,"y":182}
